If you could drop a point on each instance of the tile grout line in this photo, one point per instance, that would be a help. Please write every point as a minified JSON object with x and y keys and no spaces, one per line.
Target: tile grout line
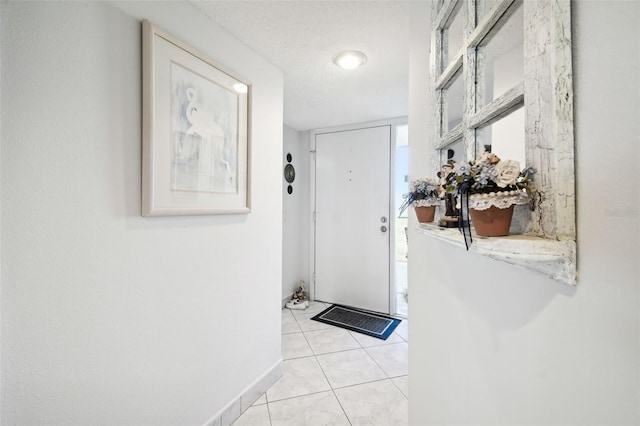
{"x":402,"y":337}
{"x":361,"y":346}
{"x":331,"y":352}
{"x":268,"y":410}
{"x":310,"y":347}
{"x":327,"y":378}
{"x":301,"y":396}
{"x":398,"y":387}
{"x":333,"y":390}
{"x":366,"y":383}
{"x":340,"y":404}
{"x":380,"y":367}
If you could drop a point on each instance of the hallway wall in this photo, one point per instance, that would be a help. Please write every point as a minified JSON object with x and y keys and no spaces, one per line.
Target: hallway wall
{"x":494,"y":344}
{"x":108,"y":317}
{"x":295,"y":206}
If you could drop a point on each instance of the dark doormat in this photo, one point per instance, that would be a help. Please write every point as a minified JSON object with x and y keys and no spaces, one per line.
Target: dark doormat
{"x":369,"y":323}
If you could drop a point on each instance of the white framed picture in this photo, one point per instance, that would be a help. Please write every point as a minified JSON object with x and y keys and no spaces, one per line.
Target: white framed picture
{"x":196,"y":141}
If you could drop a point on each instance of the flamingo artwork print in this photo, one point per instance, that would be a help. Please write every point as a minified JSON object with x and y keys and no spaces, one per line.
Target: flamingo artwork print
{"x":204,"y":132}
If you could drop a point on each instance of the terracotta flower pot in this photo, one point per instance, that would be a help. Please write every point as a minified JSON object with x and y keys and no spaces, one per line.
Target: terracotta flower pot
{"x":425,"y":214}
{"x":493,"y":222}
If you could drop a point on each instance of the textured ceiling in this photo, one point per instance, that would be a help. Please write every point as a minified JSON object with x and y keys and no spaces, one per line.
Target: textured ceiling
{"x":302,"y":38}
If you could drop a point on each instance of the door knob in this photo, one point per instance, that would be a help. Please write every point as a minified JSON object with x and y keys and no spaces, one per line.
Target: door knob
{"x":383,"y":228}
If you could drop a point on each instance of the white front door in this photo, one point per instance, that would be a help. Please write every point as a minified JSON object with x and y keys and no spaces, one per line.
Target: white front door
{"x":352,"y":218}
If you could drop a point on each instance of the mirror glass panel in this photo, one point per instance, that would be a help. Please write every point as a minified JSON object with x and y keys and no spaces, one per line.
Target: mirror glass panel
{"x":483,"y":7}
{"x":452,"y":36}
{"x":454,"y":152}
{"x":502,"y":54}
{"x":454,"y":99}
{"x":505,"y":138}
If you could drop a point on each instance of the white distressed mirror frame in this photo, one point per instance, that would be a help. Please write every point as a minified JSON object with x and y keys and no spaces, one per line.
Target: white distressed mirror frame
{"x":548,"y":243}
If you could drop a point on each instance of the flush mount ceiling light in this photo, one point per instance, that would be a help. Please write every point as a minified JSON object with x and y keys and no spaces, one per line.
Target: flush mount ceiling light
{"x":350,"y":60}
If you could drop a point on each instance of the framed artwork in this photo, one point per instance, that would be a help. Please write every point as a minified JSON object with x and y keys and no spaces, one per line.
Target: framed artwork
{"x":196,"y":142}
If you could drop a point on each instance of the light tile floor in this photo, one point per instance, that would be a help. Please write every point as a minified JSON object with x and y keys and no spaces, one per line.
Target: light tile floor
{"x":335,"y":377}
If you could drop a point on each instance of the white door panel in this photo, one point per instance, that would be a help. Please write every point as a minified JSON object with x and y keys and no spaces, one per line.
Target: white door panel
{"x":352,"y":197}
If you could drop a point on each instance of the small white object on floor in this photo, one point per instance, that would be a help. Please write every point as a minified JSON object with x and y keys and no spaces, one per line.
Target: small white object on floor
{"x":297,"y":304}
{"x":298,"y":300}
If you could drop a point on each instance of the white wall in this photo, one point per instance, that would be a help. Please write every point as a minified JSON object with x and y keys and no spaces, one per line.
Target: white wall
{"x":493,"y":344}
{"x":421,"y":124}
{"x":109,"y":317}
{"x":295,"y":228}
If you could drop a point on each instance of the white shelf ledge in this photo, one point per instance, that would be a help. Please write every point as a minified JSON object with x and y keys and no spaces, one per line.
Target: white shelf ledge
{"x":553,"y":259}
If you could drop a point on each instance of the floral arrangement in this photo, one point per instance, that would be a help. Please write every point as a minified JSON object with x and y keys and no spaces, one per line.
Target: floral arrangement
{"x":488,"y":184}
{"x":424,"y":193}
{"x":491,"y":177}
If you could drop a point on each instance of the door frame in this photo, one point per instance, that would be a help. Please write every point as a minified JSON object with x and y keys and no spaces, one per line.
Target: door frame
{"x":393,"y":123}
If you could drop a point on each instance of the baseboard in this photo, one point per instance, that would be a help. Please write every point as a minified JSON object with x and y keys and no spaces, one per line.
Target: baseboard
{"x":242,"y":402}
